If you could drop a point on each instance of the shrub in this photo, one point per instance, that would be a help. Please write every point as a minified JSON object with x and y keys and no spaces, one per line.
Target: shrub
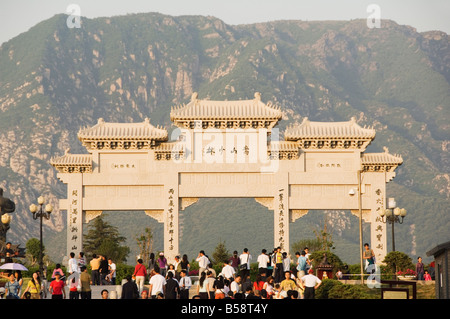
{"x":348,"y":292}
{"x":326,"y":286}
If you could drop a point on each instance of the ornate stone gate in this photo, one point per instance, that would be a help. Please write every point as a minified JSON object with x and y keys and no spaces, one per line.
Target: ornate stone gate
{"x":225,"y":149}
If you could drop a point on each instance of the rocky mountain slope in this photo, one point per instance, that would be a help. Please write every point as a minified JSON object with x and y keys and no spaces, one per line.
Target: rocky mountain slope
{"x":54,"y":80}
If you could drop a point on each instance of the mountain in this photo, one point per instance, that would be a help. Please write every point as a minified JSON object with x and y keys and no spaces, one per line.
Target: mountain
{"x":55,"y":80}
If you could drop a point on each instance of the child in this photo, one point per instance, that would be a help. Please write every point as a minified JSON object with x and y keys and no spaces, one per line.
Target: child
{"x":427,"y":276}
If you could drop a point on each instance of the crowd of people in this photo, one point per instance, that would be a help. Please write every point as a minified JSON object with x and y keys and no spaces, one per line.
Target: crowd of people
{"x":274,"y":279}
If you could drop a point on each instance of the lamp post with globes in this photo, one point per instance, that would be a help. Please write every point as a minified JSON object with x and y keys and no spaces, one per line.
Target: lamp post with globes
{"x":39,"y":212}
{"x":393,"y":215}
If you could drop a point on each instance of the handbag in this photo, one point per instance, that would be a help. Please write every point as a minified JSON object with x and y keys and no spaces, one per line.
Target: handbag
{"x":244,"y":265}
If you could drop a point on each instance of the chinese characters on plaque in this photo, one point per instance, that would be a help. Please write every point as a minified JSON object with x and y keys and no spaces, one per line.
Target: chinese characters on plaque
{"x":74,"y":215}
{"x":281,"y":218}
{"x":379,"y":222}
{"x":170,"y":219}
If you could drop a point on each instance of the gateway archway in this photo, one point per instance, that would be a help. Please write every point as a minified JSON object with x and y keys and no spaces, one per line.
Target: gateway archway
{"x":225,"y":149}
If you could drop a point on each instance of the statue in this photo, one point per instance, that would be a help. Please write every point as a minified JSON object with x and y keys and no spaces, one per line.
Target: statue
{"x":7,"y":206}
{"x":325,"y":269}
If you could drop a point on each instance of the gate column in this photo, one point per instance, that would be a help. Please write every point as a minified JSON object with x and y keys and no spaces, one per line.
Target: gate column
{"x":171,"y":209}
{"x":281,"y":214}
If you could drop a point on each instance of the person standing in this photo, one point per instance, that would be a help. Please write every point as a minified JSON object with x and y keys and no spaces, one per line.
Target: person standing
{"x":420,"y":270}
{"x":301,"y":264}
{"x":203,"y":262}
{"x":228,"y":271}
{"x":235,"y":285}
{"x":157,"y":282}
{"x":185,"y":263}
{"x":310,"y":283}
{"x":34,"y":287}
{"x":12,"y":288}
{"x":130,"y":289}
{"x":263,"y":261}
{"x":278,"y":265}
{"x":234,"y":260}
{"x":73,"y":265}
{"x":81,"y":261}
{"x":244,"y":264}
{"x":85,"y":283}
{"x":95,"y":265}
{"x":9,"y":253}
{"x":139,"y":274}
{"x":162,"y":263}
{"x":185,"y":284}
{"x":104,"y":270}
{"x":171,"y":288}
{"x":369,"y":256}
{"x":112,"y":271}
{"x":57,"y":288}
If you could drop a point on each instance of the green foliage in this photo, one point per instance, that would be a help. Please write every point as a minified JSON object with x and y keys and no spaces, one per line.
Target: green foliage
{"x":104,"y":239}
{"x":221,"y":253}
{"x":399,"y":261}
{"x":345,"y":291}
{"x":324,"y":289}
{"x":33,"y":250}
{"x":313,"y":244}
{"x":317,"y":257}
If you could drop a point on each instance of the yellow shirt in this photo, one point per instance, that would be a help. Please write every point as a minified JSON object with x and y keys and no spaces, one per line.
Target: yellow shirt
{"x":95,"y":263}
{"x":279,"y":258}
{"x":288,"y":284}
{"x":34,"y":289}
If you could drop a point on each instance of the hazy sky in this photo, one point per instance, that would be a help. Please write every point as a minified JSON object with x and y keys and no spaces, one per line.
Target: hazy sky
{"x":17,"y":16}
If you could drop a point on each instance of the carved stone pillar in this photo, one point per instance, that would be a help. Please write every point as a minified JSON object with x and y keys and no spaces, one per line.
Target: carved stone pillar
{"x":281,"y":215}
{"x":75,"y":214}
{"x":171,"y":216}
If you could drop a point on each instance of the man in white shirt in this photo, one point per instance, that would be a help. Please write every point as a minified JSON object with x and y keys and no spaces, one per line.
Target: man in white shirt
{"x":157,"y":282}
{"x":234,"y":287}
{"x":112,"y":271}
{"x":73,"y":265}
{"x":228,"y":271}
{"x":245,"y":259}
{"x":263,"y":260}
{"x":185,"y":284}
{"x":310,"y":283}
{"x":203,"y":262}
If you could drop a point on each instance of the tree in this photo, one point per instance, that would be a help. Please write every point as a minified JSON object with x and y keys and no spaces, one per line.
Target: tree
{"x":104,"y":239}
{"x":145,"y":243}
{"x":398,"y":261}
{"x":324,"y":237}
{"x":33,"y":249}
{"x":221,"y":254}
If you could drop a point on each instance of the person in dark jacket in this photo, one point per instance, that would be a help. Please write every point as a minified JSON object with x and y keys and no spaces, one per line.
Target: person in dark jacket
{"x":172,"y":289}
{"x":130,"y":289}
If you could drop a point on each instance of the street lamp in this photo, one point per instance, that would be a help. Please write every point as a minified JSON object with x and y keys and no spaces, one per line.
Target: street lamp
{"x":352,"y":193}
{"x":40,"y":213}
{"x":393,"y":215}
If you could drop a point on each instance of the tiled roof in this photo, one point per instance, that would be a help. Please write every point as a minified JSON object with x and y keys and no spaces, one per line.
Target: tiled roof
{"x":198,"y":109}
{"x":381,"y":158}
{"x":120,"y":131}
{"x":308,"y":129}
{"x":72,"y":159}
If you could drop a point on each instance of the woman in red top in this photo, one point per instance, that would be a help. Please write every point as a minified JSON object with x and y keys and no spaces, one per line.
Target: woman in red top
{"x":140,"y":272}
{"x":57,"y":288}
{"x":258,"y":284}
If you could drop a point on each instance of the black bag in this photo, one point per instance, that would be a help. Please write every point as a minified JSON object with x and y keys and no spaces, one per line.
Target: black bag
{"x":243,"y":266}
